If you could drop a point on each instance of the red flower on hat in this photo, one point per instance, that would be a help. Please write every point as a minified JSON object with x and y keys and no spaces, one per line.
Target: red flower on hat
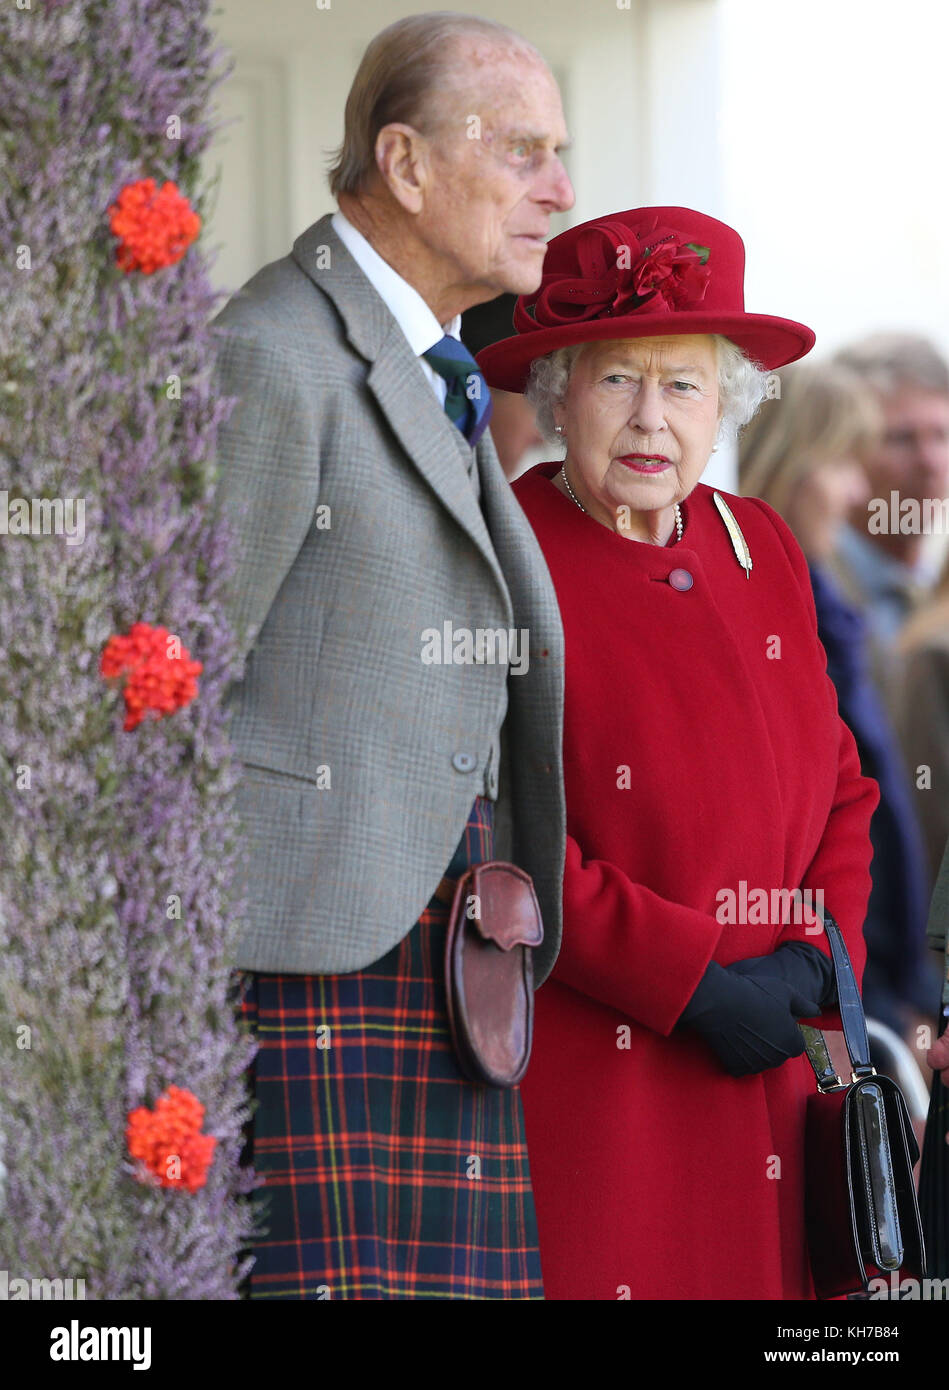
{"x":156,"y":682}
{"x":671,"y":275}
{"x":155,"y":226}
{"x":168,"y":1141}
{"x":620,"y":275}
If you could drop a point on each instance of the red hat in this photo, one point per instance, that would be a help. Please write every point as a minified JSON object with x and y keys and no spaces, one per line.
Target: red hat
{"x":649,"y":272}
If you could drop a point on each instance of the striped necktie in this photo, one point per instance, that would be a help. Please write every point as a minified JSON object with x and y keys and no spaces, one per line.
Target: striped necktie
{"x":468,"y":402}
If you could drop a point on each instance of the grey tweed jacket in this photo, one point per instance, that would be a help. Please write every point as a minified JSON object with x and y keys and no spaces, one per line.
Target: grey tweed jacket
{"x":356,"y":528}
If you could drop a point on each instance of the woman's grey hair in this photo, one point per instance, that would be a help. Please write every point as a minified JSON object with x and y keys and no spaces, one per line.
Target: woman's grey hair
{"x":742,"y":385}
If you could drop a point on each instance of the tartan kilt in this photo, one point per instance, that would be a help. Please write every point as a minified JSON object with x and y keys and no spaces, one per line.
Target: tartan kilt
{"x":386,"y":1173}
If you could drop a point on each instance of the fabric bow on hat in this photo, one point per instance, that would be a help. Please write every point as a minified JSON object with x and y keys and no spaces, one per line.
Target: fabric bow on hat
{"x":622,"y":274}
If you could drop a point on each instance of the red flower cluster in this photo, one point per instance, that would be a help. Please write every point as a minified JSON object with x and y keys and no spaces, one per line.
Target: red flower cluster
{"x":172,"y":1132}
{"x":155,"y":226}
{"x":156,"y":681}
{"x":654,"y":273}
{"x":672,"y":274}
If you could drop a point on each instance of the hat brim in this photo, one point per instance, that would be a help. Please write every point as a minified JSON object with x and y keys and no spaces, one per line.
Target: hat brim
{"x":768,"y":341}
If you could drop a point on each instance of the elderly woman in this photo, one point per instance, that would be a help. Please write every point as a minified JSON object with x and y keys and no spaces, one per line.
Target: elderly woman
{"x":706,"y":769}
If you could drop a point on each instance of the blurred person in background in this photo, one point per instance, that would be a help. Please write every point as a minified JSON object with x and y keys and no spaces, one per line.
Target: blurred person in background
{"x":806,"y":453}
{"x":923,"y":714}
{"x":513,"y":418}
{"x":934,"y":1167}
{"x":887,"y":571}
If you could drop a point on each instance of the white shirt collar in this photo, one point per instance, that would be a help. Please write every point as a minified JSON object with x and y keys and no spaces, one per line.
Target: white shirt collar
{"x":406,"y":305}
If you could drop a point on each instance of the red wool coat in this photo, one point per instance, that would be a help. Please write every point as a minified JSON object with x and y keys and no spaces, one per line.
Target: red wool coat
{"x":702,"y":747}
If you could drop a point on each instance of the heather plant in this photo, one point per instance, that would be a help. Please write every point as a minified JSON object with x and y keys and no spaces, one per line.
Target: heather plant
{"x":117,"y":845}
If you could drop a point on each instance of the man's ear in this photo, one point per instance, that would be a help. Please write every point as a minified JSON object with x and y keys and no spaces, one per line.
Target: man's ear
{"x":402,"y":159}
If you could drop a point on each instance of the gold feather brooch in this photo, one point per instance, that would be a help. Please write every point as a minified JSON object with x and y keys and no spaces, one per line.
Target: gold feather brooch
{"x":739,"y":544}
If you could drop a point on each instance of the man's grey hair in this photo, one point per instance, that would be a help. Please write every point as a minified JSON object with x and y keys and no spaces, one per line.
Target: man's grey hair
{"x":891,"y":362}
{"x":407,"y":75}
{"x":742,"y":385}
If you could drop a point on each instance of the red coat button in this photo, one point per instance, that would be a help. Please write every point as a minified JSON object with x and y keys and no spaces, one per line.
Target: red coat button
{"x":681,"y":579}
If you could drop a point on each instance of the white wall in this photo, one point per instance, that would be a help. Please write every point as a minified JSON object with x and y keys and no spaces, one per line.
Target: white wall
{"x":833,"y":129}
{"x":832,"y":132}
{"x":638,"y":79}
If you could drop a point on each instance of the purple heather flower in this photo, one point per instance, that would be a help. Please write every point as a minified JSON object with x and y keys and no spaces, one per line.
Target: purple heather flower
{"x":109,"y":990}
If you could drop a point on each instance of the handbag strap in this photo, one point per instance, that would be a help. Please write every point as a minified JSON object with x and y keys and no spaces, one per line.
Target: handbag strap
{"x":851,"y":1016}
{"x":818,"y":1055}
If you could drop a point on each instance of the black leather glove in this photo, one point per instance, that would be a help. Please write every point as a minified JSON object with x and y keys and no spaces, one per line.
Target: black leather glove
{"x":797,"y":963}
{"x":749,"y":1022}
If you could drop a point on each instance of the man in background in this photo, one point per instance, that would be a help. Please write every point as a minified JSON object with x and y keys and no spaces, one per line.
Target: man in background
{"x":887,"y":570}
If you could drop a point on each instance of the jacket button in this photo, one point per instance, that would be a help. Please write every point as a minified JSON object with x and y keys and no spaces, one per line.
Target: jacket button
{"x":681,"y":580}
{"x":463,"y":762}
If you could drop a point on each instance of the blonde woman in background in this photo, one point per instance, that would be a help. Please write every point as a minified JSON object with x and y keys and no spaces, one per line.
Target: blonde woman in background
{"x":923,"y":712}
{"x":804,"y":454}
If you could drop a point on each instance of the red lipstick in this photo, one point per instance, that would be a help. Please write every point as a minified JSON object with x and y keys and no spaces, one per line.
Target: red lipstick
{"x":646,"y":463}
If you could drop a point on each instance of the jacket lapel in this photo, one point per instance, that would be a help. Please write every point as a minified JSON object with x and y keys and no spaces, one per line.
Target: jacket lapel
{"x":397,"y":381}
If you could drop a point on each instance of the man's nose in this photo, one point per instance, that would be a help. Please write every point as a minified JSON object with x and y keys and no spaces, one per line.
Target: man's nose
{"x":933,"y":457}
{"x":555,"y":187}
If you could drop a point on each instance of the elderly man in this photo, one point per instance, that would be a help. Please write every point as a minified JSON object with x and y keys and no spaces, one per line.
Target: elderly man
{"x":370,"y":512}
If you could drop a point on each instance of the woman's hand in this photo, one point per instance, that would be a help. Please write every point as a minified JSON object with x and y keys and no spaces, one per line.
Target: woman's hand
{"x":749,"y":1022}
{"x":798,"y":963}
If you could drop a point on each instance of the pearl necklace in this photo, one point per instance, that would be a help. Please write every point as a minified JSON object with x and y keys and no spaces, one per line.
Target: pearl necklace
{"x":678,"y":514}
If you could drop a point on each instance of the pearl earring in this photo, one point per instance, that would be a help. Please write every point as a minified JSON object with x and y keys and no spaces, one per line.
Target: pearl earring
{"x":558,"y":429}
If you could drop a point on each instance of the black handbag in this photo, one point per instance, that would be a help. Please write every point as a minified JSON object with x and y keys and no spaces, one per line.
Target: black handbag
{"x":862,"y":1212}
